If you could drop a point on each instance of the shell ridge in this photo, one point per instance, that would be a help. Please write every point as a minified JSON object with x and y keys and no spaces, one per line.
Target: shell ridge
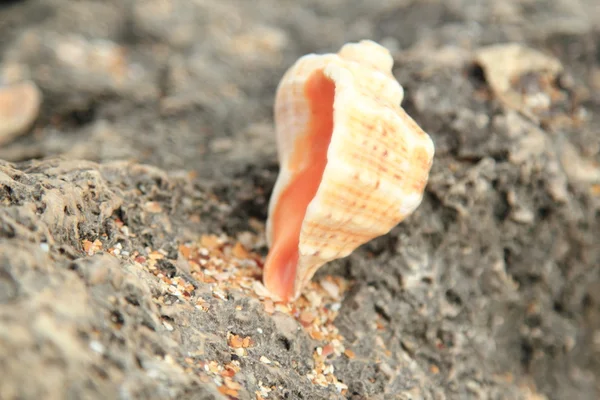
{"x":345,"y":89}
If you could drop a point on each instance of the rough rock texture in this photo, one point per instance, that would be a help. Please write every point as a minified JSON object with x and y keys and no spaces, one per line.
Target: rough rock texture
{"x":160,"y":115}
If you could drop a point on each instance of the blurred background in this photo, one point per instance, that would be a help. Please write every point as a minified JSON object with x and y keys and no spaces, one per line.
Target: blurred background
{"x":190,"y":84}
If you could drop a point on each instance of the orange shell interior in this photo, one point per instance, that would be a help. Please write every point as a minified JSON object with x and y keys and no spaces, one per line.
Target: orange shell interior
{"x":307,"y":164}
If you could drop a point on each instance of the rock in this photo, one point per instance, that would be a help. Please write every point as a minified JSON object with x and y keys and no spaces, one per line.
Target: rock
{"x":19,"y":107}
{"x":522,"y":78}
{"x":506,"y":62}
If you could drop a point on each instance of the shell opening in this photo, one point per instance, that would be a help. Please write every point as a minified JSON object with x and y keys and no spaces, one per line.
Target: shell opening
{"x":307,"y":164}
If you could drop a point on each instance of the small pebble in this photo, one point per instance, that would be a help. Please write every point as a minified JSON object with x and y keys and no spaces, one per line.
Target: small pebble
{"x":97,"y":347}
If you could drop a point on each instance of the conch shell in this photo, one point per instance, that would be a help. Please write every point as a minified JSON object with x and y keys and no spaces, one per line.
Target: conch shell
{"x":353,"y":164}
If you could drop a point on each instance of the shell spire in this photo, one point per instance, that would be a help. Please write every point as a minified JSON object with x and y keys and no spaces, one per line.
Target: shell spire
{"x":353,"y":164}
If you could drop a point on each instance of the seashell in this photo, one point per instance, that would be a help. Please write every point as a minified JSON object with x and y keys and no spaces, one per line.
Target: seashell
{"x":353,"y":164}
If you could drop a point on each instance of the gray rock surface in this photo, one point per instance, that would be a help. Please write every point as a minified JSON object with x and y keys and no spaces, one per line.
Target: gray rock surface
{"x":157,"y":116}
